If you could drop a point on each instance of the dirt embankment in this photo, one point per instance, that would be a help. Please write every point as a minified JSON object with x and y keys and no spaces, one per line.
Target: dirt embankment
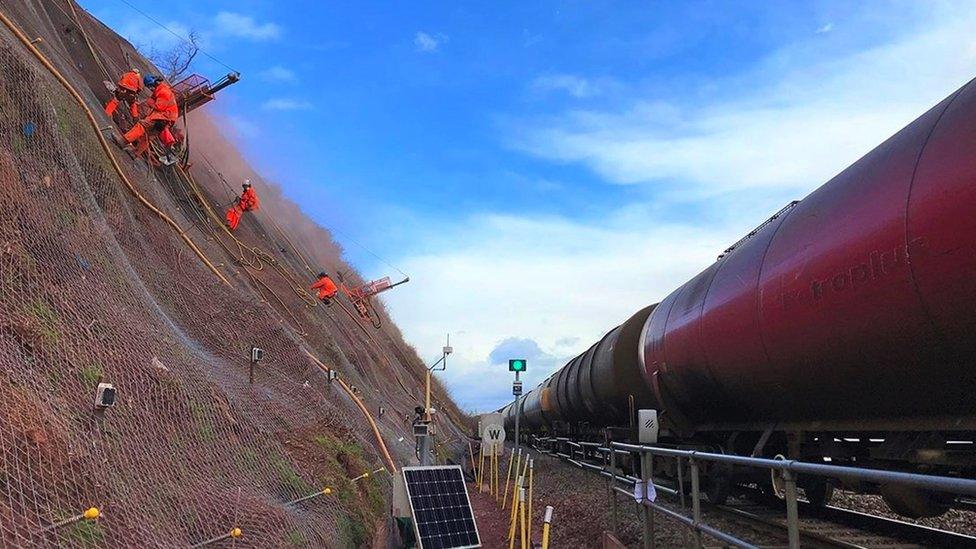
{"x":97,"y":287}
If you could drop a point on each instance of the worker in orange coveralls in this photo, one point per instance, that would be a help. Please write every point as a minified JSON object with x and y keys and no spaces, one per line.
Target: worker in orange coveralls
{"x":247,"y":202}
{"x":326,"y":287}
{"x":163,"y":114}
{"x":127,"y":88}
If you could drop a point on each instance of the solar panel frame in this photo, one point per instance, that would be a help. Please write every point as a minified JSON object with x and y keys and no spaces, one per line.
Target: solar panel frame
{"x":427,"y":488}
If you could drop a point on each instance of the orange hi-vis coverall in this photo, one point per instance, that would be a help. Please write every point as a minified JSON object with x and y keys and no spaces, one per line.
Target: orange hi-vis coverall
{"x":128,"y":86}
{"x":327,"y":289}
{"x":248,"y":202}
{"x":165,"y":112}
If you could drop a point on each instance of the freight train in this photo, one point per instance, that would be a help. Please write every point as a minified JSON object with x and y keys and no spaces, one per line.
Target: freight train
{"x":843,"y":329}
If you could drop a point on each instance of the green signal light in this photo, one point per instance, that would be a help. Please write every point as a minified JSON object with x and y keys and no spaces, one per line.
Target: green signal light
{"x":517,"y":365}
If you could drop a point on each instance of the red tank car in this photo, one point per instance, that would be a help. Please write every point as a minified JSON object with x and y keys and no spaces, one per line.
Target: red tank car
{"x":856,"y":307}
{"x":842,"y":329}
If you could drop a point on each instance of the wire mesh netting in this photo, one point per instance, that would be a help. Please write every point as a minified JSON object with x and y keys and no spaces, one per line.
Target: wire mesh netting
{"x":96,"y":288}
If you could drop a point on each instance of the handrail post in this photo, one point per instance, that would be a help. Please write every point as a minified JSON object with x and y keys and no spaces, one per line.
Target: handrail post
{"x":792,"y":515}
{"x":613,"y":493}
{"x":681,"y":496}
{"x":695,"y":500}
{"x":647,"y":461}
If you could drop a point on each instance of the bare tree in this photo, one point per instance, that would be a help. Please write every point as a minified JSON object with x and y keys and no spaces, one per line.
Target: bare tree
{"x":175,"y":62}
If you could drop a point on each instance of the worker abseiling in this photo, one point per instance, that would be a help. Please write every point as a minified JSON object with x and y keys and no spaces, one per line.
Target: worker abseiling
{"x":163,"y":113}
{"x":126,"y":89}
{"x":247,"y":202}
{"x":326,"y":287}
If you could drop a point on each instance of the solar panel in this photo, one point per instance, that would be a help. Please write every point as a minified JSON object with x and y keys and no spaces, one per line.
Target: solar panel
{"x":441,"y":508}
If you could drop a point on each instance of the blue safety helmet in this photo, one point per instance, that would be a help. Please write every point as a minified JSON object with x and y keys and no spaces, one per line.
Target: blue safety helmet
{"x":150,"y":80}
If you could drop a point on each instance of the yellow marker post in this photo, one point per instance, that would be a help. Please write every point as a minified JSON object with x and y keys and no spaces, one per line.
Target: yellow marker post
{"x":524,"y":536}
{"x":498,"y":473}
{"x":491,"y":473}
{"x":517,"y":489}
{"x":513,"y":517}
{"x":546,"y":524}
{"x":512,"y":460}
{"x":481,"y":468}
{"x":522,"y":475}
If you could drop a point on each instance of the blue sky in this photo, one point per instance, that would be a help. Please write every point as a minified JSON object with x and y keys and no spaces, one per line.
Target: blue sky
{"x":544,"y":169}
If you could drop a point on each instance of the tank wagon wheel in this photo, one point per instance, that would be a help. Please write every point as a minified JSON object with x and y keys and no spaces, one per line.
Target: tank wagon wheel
{"x":912,"y":502}
{"x":718,"y":484}
{"x":819,"y":491}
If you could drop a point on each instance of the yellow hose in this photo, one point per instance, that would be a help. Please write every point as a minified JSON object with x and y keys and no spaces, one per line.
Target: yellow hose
{"x":362,"y":407}
{"x":108,"y":151}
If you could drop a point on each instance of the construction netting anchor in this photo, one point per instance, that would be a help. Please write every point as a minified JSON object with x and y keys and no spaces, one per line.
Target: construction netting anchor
{"x":90,"y":514}
{"x":234,"y":533}
{"x":323,"y":492}
{"x":326,"y":491}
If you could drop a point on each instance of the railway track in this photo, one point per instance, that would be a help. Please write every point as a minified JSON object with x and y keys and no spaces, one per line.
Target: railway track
{"x":826,"y":527}
{"x":830,"y":527}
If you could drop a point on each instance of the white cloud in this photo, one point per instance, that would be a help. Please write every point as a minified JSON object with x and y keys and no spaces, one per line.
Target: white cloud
{"x":429,"y":43}
{"x":244,"y":26}
{"x":576,"y":86}
{"x":279,"y":74}
{"x":825,"y":28}
{"x":147,"y":35}
{"x":286,"y":104}
{"x":794,"y":123}
{"x":554,"y":284}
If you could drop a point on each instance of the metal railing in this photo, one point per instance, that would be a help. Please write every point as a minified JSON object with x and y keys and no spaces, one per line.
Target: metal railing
{"x":789,"y":469}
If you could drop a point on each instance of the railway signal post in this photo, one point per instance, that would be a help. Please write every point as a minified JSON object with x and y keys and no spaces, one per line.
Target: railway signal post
{"x":518,"y":366}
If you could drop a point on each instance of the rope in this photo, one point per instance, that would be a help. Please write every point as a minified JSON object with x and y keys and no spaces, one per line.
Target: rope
{"x":174,"y":33}
{"x":105,"y":146}
{"x":370,"y":252}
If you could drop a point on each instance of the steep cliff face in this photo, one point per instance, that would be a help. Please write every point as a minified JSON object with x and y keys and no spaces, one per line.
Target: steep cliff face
{"x":115,"y":272}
